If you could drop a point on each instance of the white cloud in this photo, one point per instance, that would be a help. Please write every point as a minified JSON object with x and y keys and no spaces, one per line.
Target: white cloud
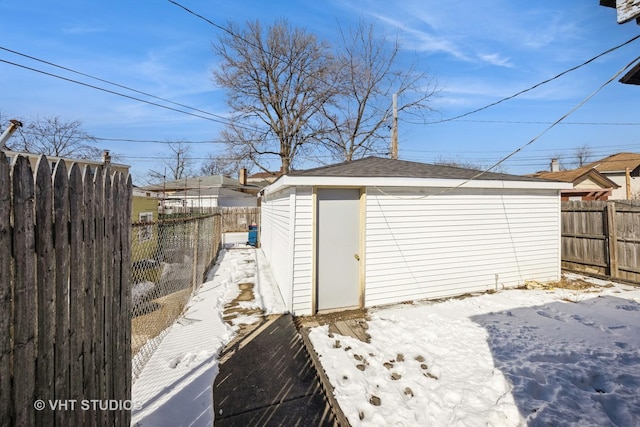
{"x":496,"y":59}
{"x":423,"y":41}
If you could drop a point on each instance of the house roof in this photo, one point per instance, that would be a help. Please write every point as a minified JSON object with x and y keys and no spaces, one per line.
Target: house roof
{"x":578,"y":175}
{"x":263,"y":175}
{"x":377,"y":171}
{"x":384,"y":167}
{"x":617,"y":162}
{"x":195,"y":183}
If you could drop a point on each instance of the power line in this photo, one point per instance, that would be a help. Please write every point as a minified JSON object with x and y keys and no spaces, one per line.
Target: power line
{"x":157,"y":141}
{"x":111,"y":83}
{"x":111,"y":91}
{"x":281,"y":59}
{"x":530,"y":88}
{"x":548,"y":123}
{"x":213,"y":118}
{"x":564,"y":116}
{"x":154,"y":141}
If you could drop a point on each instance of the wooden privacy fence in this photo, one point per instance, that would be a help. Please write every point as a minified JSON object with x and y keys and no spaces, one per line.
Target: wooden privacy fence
{"x":233,"y":218}
{"x":65,"y":302}
{"x":239,"y":219}
{"x":602,"y":238}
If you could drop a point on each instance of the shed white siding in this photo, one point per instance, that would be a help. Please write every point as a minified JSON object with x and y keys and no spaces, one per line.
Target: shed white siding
{"x":421,"y":244}
{"x":287,"y":242}
{"x":303,"y":252}
{"x":276,"y":213}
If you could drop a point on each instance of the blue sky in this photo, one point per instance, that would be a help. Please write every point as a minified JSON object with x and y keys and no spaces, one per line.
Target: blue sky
{"x":479,"y":52}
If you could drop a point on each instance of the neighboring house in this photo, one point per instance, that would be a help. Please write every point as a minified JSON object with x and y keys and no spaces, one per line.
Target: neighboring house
{"x":378,"y":231}
{"x":144,"y":238}
{"x":211,"y":197}
{"x":263,"y":178}
{"x":206,"y":191}
{"x":624,"y":170}
{"x":588,"y":183}
{"x":53,"y":160}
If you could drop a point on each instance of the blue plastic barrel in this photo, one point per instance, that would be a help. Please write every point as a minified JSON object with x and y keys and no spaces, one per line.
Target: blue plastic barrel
{"x":253,"y":235}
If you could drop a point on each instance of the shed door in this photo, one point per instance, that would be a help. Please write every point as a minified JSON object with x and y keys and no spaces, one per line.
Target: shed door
{"x":338,"y":237}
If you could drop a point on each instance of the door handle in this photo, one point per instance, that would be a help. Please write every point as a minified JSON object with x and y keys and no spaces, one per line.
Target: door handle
{"x":356,"y":256}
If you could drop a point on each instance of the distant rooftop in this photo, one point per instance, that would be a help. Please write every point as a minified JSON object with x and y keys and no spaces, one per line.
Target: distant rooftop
{"x":577,"y":175}
{"x":617,"y":162}
{"x":195,"y":183}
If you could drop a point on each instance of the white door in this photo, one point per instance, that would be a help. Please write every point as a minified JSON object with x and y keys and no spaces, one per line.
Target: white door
{"x":338,"y":239}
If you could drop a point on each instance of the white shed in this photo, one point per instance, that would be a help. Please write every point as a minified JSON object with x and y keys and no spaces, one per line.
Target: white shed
{"x":378,"y":231}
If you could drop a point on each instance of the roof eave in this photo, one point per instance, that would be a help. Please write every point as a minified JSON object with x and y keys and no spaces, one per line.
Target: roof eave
{"x":341,"y":181}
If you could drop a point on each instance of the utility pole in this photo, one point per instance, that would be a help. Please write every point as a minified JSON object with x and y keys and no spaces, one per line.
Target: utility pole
{"x":13,"y":126}
{"x":394,"y":129}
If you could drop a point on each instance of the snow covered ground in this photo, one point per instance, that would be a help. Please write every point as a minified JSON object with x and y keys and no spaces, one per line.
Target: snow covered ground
{"x":175,"y":387}
{"x":516,"y":357}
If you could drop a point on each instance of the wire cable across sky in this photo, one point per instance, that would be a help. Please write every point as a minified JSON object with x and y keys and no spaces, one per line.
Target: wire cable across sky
{"x":529,"y":89}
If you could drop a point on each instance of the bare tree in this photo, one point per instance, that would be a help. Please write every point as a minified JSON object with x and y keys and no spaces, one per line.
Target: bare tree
{"x":582,"y":155}
{"x":277,"y":80}
{"x":175,"y":167}
{"x":55,"y":136}
{"x":461,"y":162}
{"x":359,"y":119}
{"x":220,"y":165}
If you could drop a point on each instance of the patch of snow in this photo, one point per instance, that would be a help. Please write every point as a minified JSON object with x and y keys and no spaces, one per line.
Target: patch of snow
{"x":516,"y":357}
{"x":512,"y":358}
{"x":175,"y":386}
{"x":140,"y":291}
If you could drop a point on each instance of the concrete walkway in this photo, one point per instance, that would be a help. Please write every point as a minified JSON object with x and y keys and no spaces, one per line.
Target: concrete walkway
{"x":267,"y":379}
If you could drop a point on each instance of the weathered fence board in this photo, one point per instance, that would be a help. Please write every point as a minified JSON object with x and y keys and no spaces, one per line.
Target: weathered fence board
{"x":24,"y":291}
{"x":89,"y":285}
{"x":239,"y":219}
{"x":107,"y":291}
{"x":233,"y":218}
{"x":98,"y":288}
{"x":76,"y":288}
{"x":65,"y":313}
{"x":6,"y":355}
{"x":45,"y":286}
{"x":123,"y":340}
{"x":602,"y":238}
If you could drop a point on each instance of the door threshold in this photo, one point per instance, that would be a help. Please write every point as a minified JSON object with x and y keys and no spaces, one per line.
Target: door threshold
{"x":337,"y":310}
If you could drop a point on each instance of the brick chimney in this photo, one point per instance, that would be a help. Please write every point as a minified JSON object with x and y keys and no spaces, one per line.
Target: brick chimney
{"x":106,"y":159}
{"x":555,"y":165}
{"x":242,"y":176}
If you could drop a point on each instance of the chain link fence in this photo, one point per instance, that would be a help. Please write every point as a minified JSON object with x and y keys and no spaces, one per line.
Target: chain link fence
{"x":169,"y":257}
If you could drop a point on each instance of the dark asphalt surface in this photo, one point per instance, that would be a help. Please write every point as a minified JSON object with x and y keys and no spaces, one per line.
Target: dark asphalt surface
{"x":270,"y":382}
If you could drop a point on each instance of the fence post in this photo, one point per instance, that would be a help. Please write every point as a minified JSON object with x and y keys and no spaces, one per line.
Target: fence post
{"x":612,"y":239}
{"x":196,"y":239}
{"x":6,"y":289}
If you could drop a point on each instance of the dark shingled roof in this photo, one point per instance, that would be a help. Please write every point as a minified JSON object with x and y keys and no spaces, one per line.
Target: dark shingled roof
{"x":383,"y":167}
